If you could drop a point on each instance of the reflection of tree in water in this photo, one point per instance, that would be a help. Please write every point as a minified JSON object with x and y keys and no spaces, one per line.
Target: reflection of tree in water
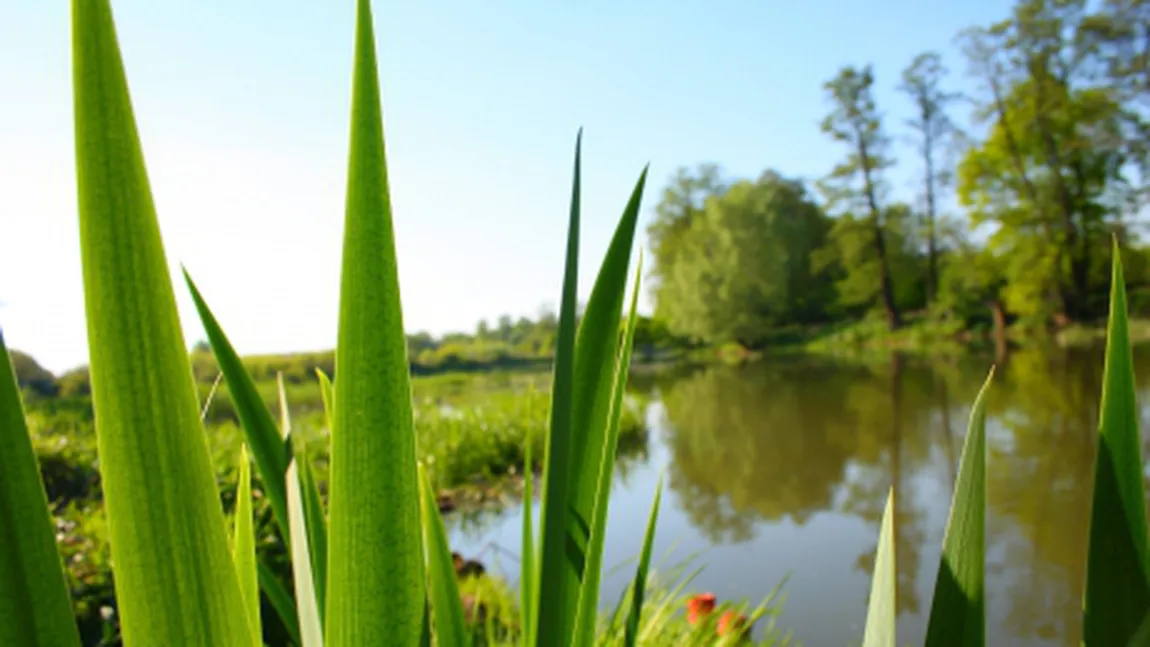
{"x":774,"y":441}
{"x":748,"y":444}
{"x":1039,"y":483}
{"x":897,"y":406}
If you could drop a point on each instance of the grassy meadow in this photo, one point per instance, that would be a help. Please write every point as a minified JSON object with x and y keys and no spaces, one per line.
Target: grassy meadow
{"x":473,"y":431}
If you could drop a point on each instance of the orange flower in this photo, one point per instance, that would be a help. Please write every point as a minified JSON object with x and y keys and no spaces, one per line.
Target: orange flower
{"x":699,"y":606}
{"x":730,"y":621}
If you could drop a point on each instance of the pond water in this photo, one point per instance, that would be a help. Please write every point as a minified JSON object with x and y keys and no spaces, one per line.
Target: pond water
{"x":781,"y":468}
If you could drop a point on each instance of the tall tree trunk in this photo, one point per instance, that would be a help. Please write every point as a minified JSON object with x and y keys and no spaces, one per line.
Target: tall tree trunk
{"x":931,"y":251}
{"x":894,"y":321}
{"x":998,"y":315}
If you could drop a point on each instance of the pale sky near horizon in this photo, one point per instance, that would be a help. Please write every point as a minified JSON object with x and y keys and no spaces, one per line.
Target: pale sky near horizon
{"x":243,"y":111}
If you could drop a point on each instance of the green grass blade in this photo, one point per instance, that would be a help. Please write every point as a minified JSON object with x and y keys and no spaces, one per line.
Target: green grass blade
{"x":313,"y":515}
{"x":211,"y":397}
{"x":1141,"y":637}
{"x":375,"y":595}
{"x":595,"y":353}
{"x":588,"y":611}
{"x":425,"y":625}
{"x":957,"y":614}
{"x":1117,"y":590}
{"x":259,"y":427}
{"x":551,"y":627}
{"x":280,"y":600}
{"x":450,"y":628}
{"x":639,"y":587}
{"x":658,"y":617}
{"x":176,"y":583}
{"x":327,"y":394}
{"x":34,"y":601}
{"x":596,"y":356}
{"x":311,"y":628}
{"x":316,"y":526}
{"x":244,"y":546}
{"x":527,"y":581}
{"x":880,"y":618}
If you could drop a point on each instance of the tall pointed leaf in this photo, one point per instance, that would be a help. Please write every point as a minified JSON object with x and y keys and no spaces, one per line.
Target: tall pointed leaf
{"x":375,"y":558}
{"x":957,"y":614}
{"x":34,"y":600}
{"x":446,"y":605}
{"x":310,"y":625}
{"x":316,"y":526}
{"x":1117,"y":588}
{"x":588,"y":611}
{"x":639,"y":587}
{"x":595,"y":355}
{"x":244,"y":547}
{"x":1141,"y":637}
{"x":327,"y":394}
{"x":314,"y":522}
{"x":527,"y":581}
{"x":880,"y":618}
{"x":176,"y":583}
{"x":255,"y":419}
{"x":280,"y":600}
{"x":553,"y":569}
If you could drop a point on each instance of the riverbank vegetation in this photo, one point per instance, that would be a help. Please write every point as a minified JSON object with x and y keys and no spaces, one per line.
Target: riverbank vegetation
{"x":1021,"y":184}
{"x":475,"y":445}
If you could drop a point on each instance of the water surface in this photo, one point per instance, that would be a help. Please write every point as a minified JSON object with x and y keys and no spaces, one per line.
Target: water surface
{"x":781,"y":468}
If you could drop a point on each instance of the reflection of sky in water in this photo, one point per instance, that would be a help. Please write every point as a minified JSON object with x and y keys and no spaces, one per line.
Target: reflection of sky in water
{"x":1035,"y":531}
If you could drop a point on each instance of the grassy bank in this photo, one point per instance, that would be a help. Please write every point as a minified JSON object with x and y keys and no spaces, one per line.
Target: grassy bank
{"x":919,"y":335}
{"x":472,"y":433}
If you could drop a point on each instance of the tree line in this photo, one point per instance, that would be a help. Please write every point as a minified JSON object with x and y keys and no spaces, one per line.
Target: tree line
{"x":1050,"y":165}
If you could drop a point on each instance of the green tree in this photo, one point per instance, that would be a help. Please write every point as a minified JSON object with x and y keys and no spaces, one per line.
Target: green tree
{"x":682,"y":200}
{"x":851,"y":256}
{"x":855,"y":122}
{"x":922,"y":82}
{"x":742,"y":265}
{"x":1049,"y":176}
{"x":30,"y":375}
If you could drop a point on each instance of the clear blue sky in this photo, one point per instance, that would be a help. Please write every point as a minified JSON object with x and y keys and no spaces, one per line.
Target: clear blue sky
{"x":243,"y":110}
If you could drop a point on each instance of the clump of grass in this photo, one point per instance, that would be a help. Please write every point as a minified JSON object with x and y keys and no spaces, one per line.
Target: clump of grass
{"x":487,"y":439}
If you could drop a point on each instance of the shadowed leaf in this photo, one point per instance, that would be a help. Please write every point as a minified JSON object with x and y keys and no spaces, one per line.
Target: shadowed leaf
{"x":591,"y":374}
{"x":588,"y":612}
{"x":280,"y":600}
{"x":1117,"y":591}
{"x":528,"y":585}
{"x":445,"y":603}
{"x":256,"y":420}
{"x":639,"y":587}
{"x":553,"y":569}
{"x":957,"y":614}
{"x":34,"y":600}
